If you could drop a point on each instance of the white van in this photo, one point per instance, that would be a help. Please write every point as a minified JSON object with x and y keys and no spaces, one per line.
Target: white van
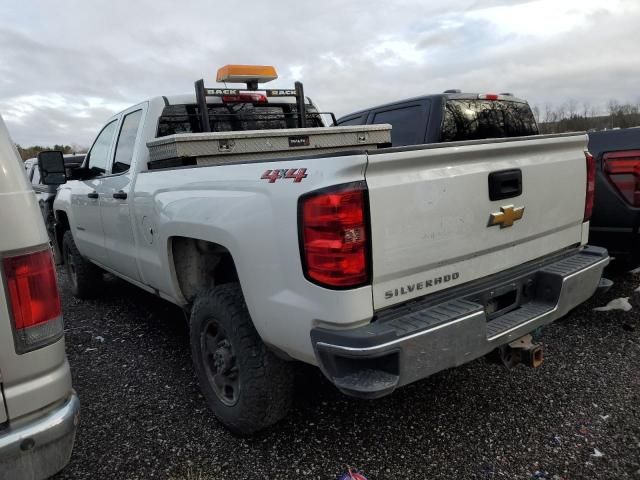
{"x":39,"y":410}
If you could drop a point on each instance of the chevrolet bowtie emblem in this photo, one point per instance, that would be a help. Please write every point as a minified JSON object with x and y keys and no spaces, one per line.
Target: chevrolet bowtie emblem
{"x":506,"y":216}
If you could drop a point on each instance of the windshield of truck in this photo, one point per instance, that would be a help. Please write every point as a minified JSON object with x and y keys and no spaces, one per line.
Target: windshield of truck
{"x":476,"y":119}
{"x":184,"y":118}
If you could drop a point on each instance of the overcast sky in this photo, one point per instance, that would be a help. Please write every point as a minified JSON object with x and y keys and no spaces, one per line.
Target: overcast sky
{"x":66,"y":66}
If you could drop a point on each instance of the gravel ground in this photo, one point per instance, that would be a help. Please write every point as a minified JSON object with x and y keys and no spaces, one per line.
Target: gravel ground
{"x":578,"y":416}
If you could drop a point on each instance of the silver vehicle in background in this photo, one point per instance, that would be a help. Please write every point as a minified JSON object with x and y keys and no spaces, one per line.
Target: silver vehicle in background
{"x":46,"y":194}
{"x":39,"y":410}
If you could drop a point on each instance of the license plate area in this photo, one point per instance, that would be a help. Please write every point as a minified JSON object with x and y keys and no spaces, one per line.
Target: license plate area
{"x":507,"y":297}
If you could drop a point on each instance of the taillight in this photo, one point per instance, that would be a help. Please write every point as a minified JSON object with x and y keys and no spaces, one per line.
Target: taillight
{"x":34,"y":303}
{"x":623,"y":169}
{"x":334,"y":235}
{"x":488,"y":96}
{"x":591,"y":185}
{"x":245,"y":98}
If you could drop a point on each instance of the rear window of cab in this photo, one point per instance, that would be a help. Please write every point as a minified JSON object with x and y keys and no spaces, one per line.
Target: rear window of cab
{"x":184,"y":118}
{"x":478,"y":119}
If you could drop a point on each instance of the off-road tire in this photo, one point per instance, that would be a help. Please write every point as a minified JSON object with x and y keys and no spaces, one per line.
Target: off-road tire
{"x":85,"y":278}
{"x":264,"y":381}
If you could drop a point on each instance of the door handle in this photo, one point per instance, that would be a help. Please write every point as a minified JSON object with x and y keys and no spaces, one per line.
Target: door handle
{"x":92,"y":195}
{"x":120,"y":195}
{"x":505,"y":184}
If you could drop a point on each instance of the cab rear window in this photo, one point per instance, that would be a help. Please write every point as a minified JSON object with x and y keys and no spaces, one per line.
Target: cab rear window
{"x":479,"y":119}
{"x":184,"y":118}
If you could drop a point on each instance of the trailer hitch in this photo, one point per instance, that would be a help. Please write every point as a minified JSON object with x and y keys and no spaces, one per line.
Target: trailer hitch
{"x":523,"y":350}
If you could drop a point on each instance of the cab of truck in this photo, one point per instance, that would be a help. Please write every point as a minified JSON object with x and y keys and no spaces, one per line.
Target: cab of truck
{"x":39,"y":409}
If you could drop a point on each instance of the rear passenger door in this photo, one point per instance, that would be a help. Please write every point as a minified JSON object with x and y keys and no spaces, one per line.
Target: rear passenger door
{"x":408,"y":120}
{"x":115,"y":192}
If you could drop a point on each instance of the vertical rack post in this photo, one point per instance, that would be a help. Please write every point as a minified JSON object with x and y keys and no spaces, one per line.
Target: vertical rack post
{"x":201,"y":99}
{"x":300,"y":104}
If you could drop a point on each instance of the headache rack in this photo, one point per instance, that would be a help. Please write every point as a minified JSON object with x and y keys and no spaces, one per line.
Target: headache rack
{"x":253,"y":136}
{"x":250,"y":94}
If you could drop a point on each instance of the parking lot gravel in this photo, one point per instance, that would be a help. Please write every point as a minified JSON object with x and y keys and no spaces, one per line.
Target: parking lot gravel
{"x":576,"y":417}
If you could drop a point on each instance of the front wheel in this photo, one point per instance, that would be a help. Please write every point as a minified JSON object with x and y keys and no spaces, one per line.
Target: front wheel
{"x":247,"y":386}
{"x":85,"y":277}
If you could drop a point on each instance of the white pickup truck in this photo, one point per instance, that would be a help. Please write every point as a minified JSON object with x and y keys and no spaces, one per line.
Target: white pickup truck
{"x":381,"y":266}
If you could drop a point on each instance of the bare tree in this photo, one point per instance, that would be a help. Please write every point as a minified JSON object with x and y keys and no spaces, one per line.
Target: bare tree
{"x":571,"y":108}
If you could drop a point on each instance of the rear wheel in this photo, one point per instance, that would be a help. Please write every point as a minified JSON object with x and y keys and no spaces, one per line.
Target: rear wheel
{"x":247,"y":386}
{"x":85,"y":278}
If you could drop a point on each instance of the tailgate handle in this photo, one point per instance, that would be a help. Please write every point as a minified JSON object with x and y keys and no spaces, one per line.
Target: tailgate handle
{"x":505,"y":184}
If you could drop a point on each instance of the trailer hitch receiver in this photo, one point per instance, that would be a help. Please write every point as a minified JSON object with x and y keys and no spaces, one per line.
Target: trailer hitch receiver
{"x":522,"y":350}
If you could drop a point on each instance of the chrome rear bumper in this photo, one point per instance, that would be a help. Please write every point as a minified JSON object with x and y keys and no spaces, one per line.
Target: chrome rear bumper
{"x":417,"y":339}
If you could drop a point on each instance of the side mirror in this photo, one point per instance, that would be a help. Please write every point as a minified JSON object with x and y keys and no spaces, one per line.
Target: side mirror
{"x":51,"y":166}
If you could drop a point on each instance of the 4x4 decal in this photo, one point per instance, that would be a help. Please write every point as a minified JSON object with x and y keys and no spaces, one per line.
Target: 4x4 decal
{"x":297,"y":174}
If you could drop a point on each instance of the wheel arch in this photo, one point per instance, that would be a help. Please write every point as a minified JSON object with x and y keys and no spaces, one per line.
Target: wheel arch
{"x":198,"y":265}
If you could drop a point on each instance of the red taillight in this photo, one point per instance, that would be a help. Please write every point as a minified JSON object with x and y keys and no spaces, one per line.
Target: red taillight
{"x":33,"y":297}
{"x":623,"y":169}
{"x":591,"y":185}
{"x":245,"y":98}
{"x":489,"y":96}
{"x":334,"y":236}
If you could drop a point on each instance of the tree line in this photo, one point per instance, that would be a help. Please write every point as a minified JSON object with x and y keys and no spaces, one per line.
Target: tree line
{"x":31,"y":152}
{"x":574,"y":117}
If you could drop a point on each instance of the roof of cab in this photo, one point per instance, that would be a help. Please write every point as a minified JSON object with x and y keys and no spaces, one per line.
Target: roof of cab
{"x":448,"y":96}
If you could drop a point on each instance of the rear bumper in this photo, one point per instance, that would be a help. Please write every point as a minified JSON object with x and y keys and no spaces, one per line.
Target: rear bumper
{"x":417,"y":339}
{"x":42,"y":447}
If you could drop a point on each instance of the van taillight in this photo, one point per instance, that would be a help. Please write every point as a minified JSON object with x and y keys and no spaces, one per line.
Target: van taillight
{"x":623,"y":170}
{"x":591,"y":186}
{"x":34,"y":303}
{"x":334,"y":236}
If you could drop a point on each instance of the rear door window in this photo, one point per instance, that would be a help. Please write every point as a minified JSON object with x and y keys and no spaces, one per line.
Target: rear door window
{"x":408,"y":123}
{"x":126,"y":142}
{"x":478,"y":119}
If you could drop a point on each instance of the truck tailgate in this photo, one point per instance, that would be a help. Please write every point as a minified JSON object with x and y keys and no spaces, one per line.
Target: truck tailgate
{"x":431,"y":211}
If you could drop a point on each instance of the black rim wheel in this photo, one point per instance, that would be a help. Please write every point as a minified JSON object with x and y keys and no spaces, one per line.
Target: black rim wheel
{"x":220,"y":363}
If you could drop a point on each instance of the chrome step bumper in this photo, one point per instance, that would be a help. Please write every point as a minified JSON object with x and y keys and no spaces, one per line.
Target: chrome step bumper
{"x":417,"y":339}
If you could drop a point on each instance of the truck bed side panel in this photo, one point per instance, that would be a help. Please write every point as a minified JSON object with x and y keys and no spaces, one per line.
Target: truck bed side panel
{"x":257,"y":221}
